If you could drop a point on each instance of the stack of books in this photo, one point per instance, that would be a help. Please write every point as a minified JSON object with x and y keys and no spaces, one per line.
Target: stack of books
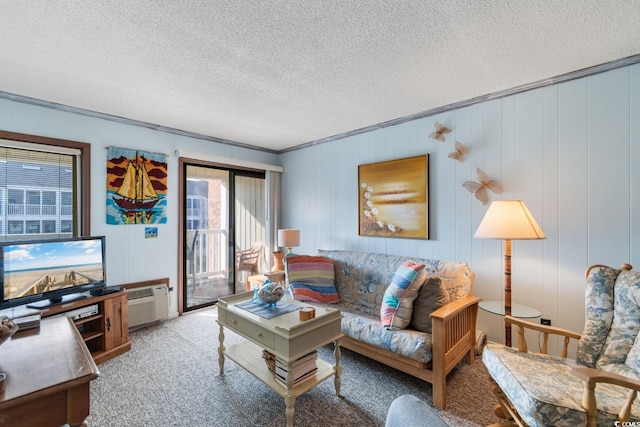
{"x":301,"y":369}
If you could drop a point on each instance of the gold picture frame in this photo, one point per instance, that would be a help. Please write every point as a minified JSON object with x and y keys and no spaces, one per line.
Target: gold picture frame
{"x":393,"y":198}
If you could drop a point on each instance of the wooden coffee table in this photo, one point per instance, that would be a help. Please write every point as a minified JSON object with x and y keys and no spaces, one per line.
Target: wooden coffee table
{"x":285,"y":336}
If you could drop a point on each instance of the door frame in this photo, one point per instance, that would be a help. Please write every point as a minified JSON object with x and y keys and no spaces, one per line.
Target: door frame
{"x":183,"y":162}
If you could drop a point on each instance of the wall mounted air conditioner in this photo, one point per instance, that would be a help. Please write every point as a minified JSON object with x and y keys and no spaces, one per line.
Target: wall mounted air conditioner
{"x":148,"y":304}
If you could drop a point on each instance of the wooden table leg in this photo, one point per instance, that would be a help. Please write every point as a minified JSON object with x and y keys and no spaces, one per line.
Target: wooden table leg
{"x":337,"y":381}
{"x":290,"y":402}
{"x":221,"y":349}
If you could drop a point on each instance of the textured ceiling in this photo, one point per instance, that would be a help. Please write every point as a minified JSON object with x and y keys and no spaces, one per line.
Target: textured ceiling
{"x":276,"y":74}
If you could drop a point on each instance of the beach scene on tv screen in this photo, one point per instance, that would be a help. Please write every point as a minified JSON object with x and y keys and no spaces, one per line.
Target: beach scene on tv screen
{"x":30,"y":269}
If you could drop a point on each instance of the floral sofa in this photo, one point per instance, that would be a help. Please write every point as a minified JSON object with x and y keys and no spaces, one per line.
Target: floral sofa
{"x":443,"y":321}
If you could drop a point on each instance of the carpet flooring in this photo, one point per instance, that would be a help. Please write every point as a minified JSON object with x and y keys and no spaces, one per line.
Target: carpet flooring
{"x":171,"y":378}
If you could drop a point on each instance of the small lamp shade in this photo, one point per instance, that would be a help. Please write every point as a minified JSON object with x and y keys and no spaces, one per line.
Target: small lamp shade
{"x":509,"y":220}
{"x":288,"y":238}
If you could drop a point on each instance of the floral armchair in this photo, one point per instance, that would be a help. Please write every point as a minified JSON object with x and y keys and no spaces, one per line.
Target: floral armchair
{"x":599,"y":386}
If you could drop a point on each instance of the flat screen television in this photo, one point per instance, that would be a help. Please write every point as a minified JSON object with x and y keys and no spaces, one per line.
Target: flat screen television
{"x":39,"y":273}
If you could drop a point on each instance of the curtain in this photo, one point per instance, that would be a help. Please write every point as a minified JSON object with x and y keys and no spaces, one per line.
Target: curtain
{"x":272,"y":215}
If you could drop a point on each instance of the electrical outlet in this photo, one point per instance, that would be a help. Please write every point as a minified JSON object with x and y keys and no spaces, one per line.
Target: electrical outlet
{"x":545,"y":322}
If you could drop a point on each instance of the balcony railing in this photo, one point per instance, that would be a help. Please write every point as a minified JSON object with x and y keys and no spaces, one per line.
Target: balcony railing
{"x":207,"y":254}
{"x":33,"y":210}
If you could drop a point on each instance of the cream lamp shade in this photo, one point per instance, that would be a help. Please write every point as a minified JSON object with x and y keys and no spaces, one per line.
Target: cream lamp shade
{"x":288,"y":238}
{"x":509,"y":220}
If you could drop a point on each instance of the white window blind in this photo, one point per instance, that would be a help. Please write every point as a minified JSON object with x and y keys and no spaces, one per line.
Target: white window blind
{"x":39,"y":194}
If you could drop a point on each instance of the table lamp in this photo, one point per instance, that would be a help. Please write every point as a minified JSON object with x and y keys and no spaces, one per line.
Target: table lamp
{"x":288,"y":238}
{"x":508,"y":220}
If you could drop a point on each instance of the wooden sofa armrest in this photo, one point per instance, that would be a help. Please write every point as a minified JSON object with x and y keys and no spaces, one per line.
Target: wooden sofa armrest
{"x":454,"y":307}
{"x":453,"y":336}
{"x":591,"y":377}
{"x":521,"y":325}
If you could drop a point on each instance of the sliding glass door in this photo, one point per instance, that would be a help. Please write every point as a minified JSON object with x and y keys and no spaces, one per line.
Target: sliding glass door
{"x":223,"y":215}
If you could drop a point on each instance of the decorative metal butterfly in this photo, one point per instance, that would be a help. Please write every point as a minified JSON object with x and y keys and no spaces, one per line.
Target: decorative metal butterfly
{"x":440,"y":131}
{"x":480,"y":189}
{"x":460,"y":151}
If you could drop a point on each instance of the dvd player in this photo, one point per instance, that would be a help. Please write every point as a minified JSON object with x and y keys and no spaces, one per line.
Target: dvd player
{"x":81,"y":313}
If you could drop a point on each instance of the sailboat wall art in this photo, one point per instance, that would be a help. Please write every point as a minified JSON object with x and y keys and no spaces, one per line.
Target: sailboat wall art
{"x":136,"y":187}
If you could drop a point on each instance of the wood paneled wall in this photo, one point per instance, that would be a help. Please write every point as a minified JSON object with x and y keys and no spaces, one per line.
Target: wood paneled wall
{"x":571,"y":151}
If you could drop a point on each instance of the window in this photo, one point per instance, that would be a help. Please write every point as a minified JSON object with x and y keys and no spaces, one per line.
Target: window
{"x":48,"y":226}
{"x":48,"y":198}
{"x":44,"y":187}
{"x":33,"y":197}
{"x":15,"y":227}
{"x":33,"y":227}
{"x":16,"y":197}
{"x":66,"y":202}
{"x":66,"y":226}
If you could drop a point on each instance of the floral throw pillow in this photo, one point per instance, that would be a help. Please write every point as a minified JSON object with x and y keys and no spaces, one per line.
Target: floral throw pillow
{"x":397,"y":302}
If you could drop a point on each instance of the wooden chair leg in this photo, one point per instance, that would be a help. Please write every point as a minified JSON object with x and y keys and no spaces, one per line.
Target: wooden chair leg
{"x":504,"y":409}
{"x":497,"y":410}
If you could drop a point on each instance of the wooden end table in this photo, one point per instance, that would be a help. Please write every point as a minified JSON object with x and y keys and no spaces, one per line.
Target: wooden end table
{"x":517,"y":310}
{"x":48,"y":374}
{"x":285,"y":336}
{"x":258,"y":280}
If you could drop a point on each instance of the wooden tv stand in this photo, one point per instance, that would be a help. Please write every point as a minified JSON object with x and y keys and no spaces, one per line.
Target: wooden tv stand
{"x":106,"y":333}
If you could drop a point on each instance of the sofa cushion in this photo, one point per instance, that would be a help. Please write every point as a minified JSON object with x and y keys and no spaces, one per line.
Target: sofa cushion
{"x":397,"y":302}
{"x":609,"y":340}
{"x":554,"y":397}
{"x":361,"y":277}
{"x":625,"y":324}
{"x":633,"y":360}
{"x":598,"y":314}
{"x":405,"y":342}
{"x":312,"y":278}
{"x":432,"y":296}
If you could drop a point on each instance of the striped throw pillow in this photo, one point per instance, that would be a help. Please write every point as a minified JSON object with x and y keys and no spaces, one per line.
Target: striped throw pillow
{"x":312,"y":279}
{"x":397,"y":302}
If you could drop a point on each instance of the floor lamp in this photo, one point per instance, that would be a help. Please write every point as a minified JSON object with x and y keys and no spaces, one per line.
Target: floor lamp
{"x":508,"y":220}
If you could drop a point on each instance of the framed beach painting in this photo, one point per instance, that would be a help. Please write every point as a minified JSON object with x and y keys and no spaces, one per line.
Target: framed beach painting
{"x":394,"y":198}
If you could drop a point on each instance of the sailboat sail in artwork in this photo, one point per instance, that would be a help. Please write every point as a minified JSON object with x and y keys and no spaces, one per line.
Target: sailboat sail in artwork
{"x":136,"y":191}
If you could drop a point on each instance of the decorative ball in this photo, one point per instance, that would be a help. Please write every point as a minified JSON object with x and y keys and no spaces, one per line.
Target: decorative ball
{"x":270,"y":293}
